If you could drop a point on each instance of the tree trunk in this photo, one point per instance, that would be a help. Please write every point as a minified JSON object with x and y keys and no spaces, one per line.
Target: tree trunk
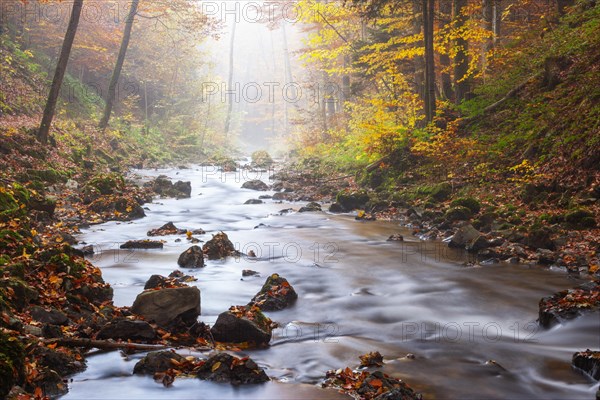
{"x":445,"y":18}
{"x":59,"y":73}
{"x":428,"y":17}
{"x":230,"y":80}
{"x":114,"y":80}
{"x":461,"y":61}
{"x":418,"y":61}
{"x":288,"y":77}
{"x":497,"y":21}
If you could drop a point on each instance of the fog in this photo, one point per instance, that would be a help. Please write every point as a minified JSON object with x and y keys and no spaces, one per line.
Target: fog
{"x":266,"y":71}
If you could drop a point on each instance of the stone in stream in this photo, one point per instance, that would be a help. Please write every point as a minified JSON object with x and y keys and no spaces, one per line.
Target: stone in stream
{"x":253,"y":201}
{"x":396,"y":237}
{"x":255,"y":185}
{"x":142,"y":244}
{"x":242,"y":324}
{"x":125,"y":329}
{"x":336,"y":208}
{"x":312,"y":206}
{"x":224,"y":367}
{"x":157,"y":361}
{"x":569,"y":304}
{"x":219,"y":247}
{"x":165,"y":306}
{"x":163,"y":186}
{"x":589,"y":362}
{"x":167,"y":229}
{"x":276,"y":294}
{"x":191,"y":258}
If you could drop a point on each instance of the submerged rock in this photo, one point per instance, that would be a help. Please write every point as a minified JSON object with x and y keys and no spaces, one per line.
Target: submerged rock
{"x":276,"y":294}
{"x":169,"y":305}
{"x":224,"y":367}
{"x":191,"y":258}
{"x":242,"y":324}
{"x":253,"y":201}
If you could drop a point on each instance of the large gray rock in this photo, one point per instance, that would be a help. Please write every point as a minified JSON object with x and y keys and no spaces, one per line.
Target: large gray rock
{"x":191,"y":258}
{"x":465,"y":235}
{"x":233,"y":328}
{"x":167,"y":305}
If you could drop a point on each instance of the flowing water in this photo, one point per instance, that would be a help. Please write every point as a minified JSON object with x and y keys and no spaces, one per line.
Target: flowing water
{"x":357,"y":293}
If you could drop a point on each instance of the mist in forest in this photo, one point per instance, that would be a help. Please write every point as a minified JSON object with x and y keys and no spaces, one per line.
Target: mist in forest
{"x":256,"y":70}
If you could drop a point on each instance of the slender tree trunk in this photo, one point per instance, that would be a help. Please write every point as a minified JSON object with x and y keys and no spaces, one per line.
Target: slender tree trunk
{"x":59,"y":73}
{"x":497,"y":20}
{"x":418,"y":61}
{"x":445,"y":18}
{"x":288,"y":78}
{"x":428,"y":17}
{"x":114,"y":80}
{"x":230,"y":80}
{"x":461,"y":60}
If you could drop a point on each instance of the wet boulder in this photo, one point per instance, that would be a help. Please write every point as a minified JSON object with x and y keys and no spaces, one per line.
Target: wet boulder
{"x":157,"y":361}
{"x":336,"y":208}
{"x":167,"y":229}
{"x":569,"y":304}
{"x":255,"y":184}
{"x":165,"y":188}
{"x":182,"y":189}
{"x":261,"y":159}
{"x":191,"y":258}
{"x":224,"y":367}
{"x":219,"y":247}
{"x":168,"y":305}
{"x":276,"y":294}
{"x":458,"y":213}
{"x":142,"y":244}
{"x":125,"y":329}
{"x":282,"y":196}
{"x":589,"y":362}
{"x":352,"y":200}
{"x":310,"y":207}
{"x":396,"y":237}
{"x":242,"y":324}
{"x":540,"y":239}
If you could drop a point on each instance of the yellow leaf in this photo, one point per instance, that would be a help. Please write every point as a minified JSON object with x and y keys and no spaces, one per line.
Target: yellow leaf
{"x":215,"y":366}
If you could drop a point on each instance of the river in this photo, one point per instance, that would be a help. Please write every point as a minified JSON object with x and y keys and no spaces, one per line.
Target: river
{"x":357,"y":293}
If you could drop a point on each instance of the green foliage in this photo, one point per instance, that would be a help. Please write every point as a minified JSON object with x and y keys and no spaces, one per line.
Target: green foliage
{"x":439,"y":192}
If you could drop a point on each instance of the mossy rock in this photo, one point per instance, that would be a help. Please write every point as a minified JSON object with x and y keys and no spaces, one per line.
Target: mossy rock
{"x":439,"y":192}
{"x":261,"y":159}
{"x":12,"y":363}
{"x":459,"y":213}
{"x":468,"y":202}
{"x":107,"y":183}
{"x":352,"y":201}
{"x":50,"y":176}
{"x":581,"y":219}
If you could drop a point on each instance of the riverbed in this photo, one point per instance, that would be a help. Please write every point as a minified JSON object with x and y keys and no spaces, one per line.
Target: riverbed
{"x":472,"y":329}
